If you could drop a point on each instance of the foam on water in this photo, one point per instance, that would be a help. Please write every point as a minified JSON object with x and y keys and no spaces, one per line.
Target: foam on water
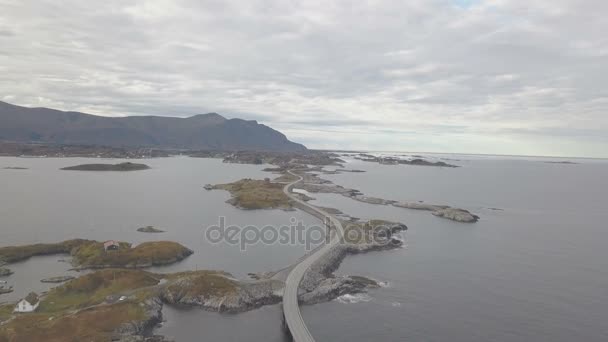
{"x":353,"y":299}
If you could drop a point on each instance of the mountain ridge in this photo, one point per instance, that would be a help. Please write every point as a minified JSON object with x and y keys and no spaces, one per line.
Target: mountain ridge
{"x":210,"y":131}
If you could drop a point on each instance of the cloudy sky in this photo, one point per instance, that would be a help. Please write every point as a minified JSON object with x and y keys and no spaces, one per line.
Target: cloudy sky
{"x":475,"y":76}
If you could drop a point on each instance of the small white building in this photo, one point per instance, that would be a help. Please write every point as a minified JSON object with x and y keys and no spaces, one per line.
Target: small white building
{"x":28,"y":304}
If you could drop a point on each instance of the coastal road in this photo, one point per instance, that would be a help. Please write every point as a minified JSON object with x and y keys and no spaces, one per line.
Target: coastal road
{"x":291,"y":309}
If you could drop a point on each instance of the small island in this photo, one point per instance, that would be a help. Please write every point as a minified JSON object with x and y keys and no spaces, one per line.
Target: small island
{"x":88,"y":254}
{"x":108,"y":167}
{"x":417,"y":161}
{"x":566,"y":162}
{"x":57,"y":280}
{"x":149,"y":229}
{"x":113,"y":254}
{"x":256,"y":194}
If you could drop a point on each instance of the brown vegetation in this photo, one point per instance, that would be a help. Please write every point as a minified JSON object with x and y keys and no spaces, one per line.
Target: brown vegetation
{"x":12,"y":254}
{"x":147,"y":254}
{"x":256,"y":194}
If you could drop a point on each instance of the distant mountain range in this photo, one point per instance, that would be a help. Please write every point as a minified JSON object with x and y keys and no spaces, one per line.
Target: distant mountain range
{"x":200,"y":132}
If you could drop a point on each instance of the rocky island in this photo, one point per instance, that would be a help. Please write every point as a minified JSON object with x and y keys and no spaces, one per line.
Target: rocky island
{"x":108,"y":167}
{"x":5,"y":272}
{"x":57,"y":280}
{"x":149,"y":229}
{"x":417,"y":161}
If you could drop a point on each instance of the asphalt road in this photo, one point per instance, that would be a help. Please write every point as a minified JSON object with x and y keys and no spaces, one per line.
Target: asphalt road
{"x":291,"y":310}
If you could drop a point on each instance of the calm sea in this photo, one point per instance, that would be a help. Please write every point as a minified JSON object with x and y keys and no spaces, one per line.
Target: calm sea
{"x":535,"y":270}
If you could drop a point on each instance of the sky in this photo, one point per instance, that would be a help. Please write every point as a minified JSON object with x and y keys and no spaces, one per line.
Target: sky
{"x":456,"y":76}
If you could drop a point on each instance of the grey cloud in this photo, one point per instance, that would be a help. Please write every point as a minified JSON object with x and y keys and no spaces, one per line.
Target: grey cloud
{"x":425,"y":66}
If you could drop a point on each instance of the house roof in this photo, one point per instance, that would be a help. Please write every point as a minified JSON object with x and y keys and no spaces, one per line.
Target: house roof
{"x":111,"y":243}
{"x":32,"y":298}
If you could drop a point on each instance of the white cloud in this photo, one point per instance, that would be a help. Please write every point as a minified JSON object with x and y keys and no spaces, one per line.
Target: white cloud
{"x":499,"y":76}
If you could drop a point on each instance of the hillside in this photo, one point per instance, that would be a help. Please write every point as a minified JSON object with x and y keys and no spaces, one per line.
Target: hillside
{"x":203,"y":132}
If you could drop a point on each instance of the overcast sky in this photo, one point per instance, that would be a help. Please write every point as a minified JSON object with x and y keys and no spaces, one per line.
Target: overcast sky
{"x":496,"y":76}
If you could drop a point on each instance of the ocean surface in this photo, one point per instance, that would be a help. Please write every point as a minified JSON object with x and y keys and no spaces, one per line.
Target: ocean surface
{"x":532,"y":269}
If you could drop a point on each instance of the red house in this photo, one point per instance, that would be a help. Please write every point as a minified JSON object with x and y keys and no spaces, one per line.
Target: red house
{"x":111,"y":245}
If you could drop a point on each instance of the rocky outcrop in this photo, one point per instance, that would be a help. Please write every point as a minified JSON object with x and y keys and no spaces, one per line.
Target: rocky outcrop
{"x":149,"y":229}
{"x":455,"y":214}
{"x":334,"y":287}
{"x":5,"y":272}
{"x":419,"y":206}
{"x":219,"y":292}
{"x":417,"y":161}
{"x":4,"y":290}
{"x":372,"y":200}
{"x":314,"y":184}
{"x":60,"y":279}
{"x":142,"y":329}
{"x":320,"y":285}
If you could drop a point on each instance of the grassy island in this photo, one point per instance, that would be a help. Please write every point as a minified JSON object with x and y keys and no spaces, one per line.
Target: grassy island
{"x":108,"y":167}
{"x":256,"y":194}
{"x":147,"y":254}
{"x":13,"y":254}
{"x":93,"y":254}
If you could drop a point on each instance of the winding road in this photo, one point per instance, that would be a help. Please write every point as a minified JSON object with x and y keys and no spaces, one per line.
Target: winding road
{"x":291,"y":309}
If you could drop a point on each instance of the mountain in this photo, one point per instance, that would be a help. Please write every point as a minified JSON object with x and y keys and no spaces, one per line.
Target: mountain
{"x":200,"y":132}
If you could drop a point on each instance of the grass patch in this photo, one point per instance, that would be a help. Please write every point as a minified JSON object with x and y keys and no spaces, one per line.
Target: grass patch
{"x":256,"y":194}
{"x":92,"y":289}
{"x":285,"y":178}
{"x":19,"y":253}
{"x":95,"y":325}
{"x":201,"y":284}
{"x":6,"y":312}
{"x":144,"y":255}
